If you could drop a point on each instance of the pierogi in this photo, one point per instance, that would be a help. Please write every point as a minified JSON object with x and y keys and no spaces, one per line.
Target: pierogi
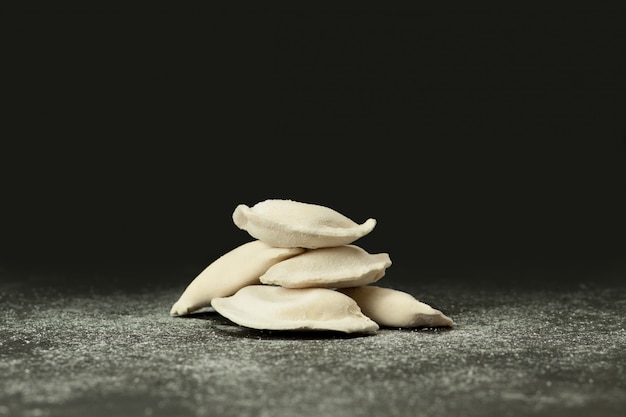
{"x":269,"y":307}
{"x":394,"y":308}
{"x":234,"y":270}
{"x":288,"y":224}
{"x":334,"y":267}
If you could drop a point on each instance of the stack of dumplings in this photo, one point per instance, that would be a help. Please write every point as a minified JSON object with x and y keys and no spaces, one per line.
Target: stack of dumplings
{"x":303,"y":271}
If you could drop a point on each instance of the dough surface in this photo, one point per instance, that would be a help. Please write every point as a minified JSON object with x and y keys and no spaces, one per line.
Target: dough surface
{"x":234,"y":270}
{"x":268,"y":307}
{"x":288,"y":223}
{"x":335,"y":267}
{"x":393,"y":308}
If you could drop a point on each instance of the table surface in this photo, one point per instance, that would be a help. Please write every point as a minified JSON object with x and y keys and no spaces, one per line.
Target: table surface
{"x":531,"y":342}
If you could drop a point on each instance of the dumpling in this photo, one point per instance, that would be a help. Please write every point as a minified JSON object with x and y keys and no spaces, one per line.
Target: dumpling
{"x":235,"y":269}
{"x":335,"y":267}
{"x":288,"y":224}
{"x":394,"y":308}
{"x":268,"y":307}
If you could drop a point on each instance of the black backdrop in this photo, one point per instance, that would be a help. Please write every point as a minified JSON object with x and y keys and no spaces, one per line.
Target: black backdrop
{"x":468,"y":134}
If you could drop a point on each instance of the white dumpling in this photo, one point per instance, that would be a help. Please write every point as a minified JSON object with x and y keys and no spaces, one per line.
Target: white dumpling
{"x":335,"y":267}
{"x":268,"y":307}
{"x":235,"y":269}
{"x":288,"y":223}
{"x":394,"y":308}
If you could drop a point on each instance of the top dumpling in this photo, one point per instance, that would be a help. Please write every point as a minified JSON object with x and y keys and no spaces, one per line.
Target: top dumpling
{"x":288,"y":224}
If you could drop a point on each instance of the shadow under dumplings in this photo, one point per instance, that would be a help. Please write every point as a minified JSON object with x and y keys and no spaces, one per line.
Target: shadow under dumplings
{"x":205,"y":315}
{"x":231,"y":329}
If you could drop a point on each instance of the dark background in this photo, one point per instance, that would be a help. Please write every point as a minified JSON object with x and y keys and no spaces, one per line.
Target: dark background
{"x":472,"y":136}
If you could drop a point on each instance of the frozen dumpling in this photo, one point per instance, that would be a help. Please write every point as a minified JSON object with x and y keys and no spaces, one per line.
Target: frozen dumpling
{"x":393,"y":308}
{"x":336,"y":267}
{"x":235,"y":269}
{"x":288,"y":224}
{"x":269,"y":307}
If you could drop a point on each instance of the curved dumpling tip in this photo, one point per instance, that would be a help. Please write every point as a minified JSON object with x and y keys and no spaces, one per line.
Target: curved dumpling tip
{"x":235,"y":269}
{"x":335,"y":267}
{"x":288,"y":223}
{"x":269,"y":307}
{"x":394,"y":308}
{"x":180,"y":308}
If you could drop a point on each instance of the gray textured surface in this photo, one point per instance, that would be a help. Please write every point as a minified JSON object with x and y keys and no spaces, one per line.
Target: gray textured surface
{"x":102,"y":345}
